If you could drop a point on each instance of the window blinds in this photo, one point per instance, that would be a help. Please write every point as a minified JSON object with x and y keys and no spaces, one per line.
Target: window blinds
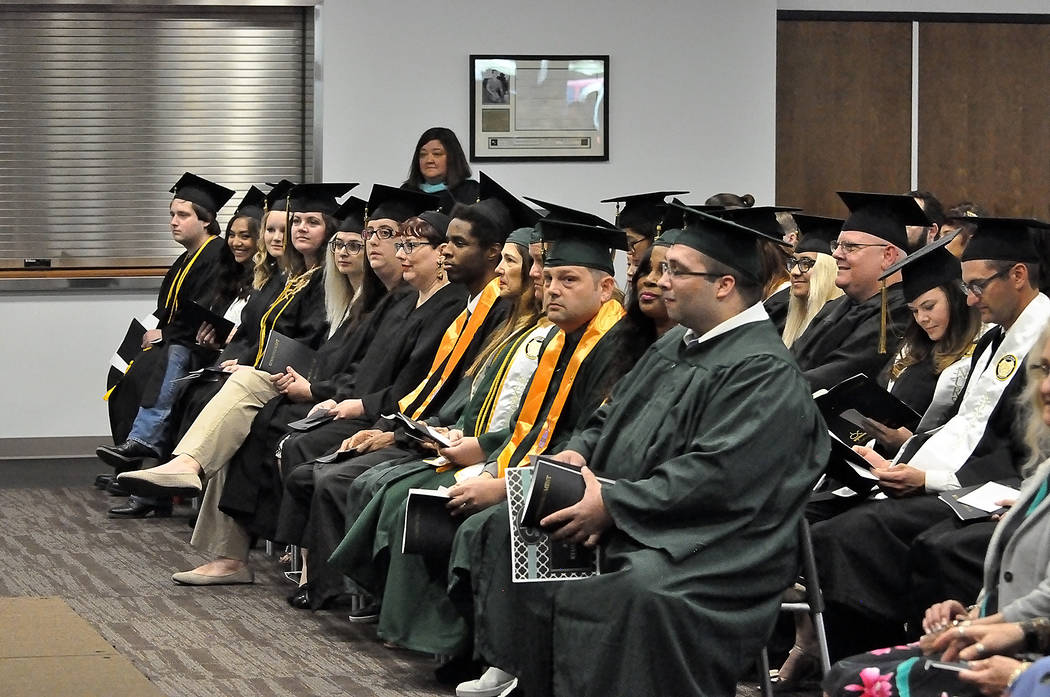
{"x":101,"y":111}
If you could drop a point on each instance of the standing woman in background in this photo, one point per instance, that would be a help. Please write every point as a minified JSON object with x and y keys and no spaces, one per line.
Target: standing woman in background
{"x":812,"y":270}
{"x":439,"y":167}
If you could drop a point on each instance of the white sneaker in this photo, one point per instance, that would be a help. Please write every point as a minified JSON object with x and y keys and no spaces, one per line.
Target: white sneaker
{"x":492,"y":683}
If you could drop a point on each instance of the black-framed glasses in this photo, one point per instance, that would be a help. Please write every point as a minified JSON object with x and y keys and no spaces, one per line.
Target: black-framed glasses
{"x":409,"y":247}
{"x":353,"y":247}
{"x":1042,"y":369}
{"x":383,"y":233}
{"x":804,"y":264}
{"x":631,"y":244}
{"x":852,"y":247}
{"x":675,"y":272}
{"x":976,"y":288}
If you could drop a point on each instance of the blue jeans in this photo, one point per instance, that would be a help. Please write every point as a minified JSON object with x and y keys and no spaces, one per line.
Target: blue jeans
{"x":151,"y":425}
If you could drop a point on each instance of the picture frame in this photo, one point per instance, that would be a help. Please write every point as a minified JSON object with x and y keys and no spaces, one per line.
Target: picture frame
{"x":539,"y":108}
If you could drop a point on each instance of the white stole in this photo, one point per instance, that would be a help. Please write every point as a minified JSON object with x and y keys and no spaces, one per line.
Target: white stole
{"x":948,"y":448}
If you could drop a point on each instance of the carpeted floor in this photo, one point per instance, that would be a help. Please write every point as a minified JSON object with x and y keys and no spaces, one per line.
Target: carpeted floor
{"x":191,"y":642}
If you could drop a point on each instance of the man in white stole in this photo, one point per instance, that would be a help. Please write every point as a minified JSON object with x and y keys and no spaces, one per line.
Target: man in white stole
{"x":862,"y":554}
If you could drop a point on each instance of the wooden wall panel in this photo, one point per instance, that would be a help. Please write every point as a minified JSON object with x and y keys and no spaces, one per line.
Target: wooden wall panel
{"x":843,"y":111}
{"x":984,"y":115}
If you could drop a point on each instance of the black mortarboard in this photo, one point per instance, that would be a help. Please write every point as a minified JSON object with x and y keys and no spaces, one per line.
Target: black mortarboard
{"x":251,"y":206}
{"x":570,"y":215}
{"x":725,"y":241}
{"x":276,"y":199}
{"x":674,"y":219}
{"x":580,"y":244}
{"x":641,"y":209}
{"x":490,"y":193}
{"x":816,"y":232}
{"x":761,"y":218}
{"x":319,"y":197}
{"x":351,"y":215}
{"x":438,"y":220}
{"x":927,"y":268}
{"x":397,"y":204}
{"x":1003,"y":239}
{"x":886,"y":216}
{"x":208,"y":195}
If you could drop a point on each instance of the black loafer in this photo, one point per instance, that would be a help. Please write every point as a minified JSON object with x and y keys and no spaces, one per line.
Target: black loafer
{"x":369,"y":614}
{"x":127,"y":455}
{"x":103,"y":480}
{"x":300,"y":599}
{"x":115,"y":488}
{"x":141,"y":509}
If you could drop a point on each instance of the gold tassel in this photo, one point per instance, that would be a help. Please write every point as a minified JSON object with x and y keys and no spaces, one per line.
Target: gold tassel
{"x":882,"y":323}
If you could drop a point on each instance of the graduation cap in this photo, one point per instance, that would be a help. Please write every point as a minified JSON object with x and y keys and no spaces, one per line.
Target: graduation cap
{"x":396,"y":204}
{"x":642,"y":210}
{"x":929,"y":267}
{"x":569,"y":215}
{"x":251,"y":206}
{"x":725,"y":241}
{"x":761,"y":218}
{"x":351,"y":215}
{"x":437,"y":220}
{"x":817,"y":232}
{"x":886,"y":216}
{"x":208,"y":195}
{"x":581,"y":244}
{"x":523,"y":236}
{"x":1003,"y":239}
{"x":674,"y":220}
{"x":491,"y":195}
{"x":320,"y":197}
{"x":277,"y":198}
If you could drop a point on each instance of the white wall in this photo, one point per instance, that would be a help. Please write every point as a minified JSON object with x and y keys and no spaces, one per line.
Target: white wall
{"x":691,"y":106}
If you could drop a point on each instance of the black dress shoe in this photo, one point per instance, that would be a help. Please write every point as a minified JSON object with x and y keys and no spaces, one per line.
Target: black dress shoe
{"x":115,"y":488}
{"x":300,"y":599}
{"x":369,"y":614}
{"x":103,"y":480}
{"x":141,"y":509}
{"x":127,"y":455}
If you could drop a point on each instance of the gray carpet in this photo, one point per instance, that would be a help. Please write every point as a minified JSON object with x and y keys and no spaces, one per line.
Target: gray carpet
{"x":191,"y":642}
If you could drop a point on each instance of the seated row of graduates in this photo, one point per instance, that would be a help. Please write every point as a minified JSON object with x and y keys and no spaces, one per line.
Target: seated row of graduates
{"x":713,"y":437}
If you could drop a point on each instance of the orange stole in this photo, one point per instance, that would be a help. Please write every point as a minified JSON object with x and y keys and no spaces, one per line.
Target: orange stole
{"x":610,"y":313}
{"x":452,"y":347}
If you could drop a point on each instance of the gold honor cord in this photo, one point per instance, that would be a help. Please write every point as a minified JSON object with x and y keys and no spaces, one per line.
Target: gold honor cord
{"x":288,"y":293}
{"x":484,"y":419}
{"x":176,"y":284}
{"x":453,"y":345}
{"x":610,"y":313}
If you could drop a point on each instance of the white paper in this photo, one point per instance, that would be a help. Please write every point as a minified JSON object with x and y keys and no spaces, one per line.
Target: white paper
{"x":986,"y":496}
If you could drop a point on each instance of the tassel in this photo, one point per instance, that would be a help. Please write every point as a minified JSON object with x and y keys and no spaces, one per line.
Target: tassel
{"x":882,"y":323}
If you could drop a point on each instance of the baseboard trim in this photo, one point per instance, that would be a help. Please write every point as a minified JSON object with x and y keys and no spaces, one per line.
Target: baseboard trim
{"x":47,"y":448}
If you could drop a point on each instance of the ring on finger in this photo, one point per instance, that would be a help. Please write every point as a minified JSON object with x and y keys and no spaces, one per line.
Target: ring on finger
{"x":979,"y":648}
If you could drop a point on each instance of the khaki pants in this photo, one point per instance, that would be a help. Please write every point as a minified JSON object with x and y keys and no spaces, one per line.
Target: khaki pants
{"x":216,"y":434}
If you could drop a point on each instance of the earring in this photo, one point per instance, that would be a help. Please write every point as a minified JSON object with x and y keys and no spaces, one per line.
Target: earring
{"x":441,"y":273}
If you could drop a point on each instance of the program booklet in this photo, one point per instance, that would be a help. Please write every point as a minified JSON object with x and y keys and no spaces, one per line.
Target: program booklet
{"x":418,"y":429}
{"x":282,"y":351}
{"x":846,"y":406}
{"x":974,"y":503}
{"x":554,"y":486}
{"x":197,"y":315}
{"x":429,"y":528}
{"x":534,"y":557}
{"x":312,"y":421}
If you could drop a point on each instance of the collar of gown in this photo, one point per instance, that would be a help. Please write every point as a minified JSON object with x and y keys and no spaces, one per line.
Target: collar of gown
{"x":755,"y":313}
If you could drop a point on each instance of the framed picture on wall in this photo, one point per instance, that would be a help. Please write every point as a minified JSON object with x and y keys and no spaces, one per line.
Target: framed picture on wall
{"x":539,"y":108}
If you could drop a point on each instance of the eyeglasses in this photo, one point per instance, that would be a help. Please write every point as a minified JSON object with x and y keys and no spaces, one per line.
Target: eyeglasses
{"x":976,"y":288}
{"x":675,"y":272}
{"x":634,"y":243}
{"x":352,"y":248}
{"x":409,"y":247}
{"x":804,"y":264}
{"x":852,"y":247}
{"x":1042,"y":369}
{"x":384,"y":233}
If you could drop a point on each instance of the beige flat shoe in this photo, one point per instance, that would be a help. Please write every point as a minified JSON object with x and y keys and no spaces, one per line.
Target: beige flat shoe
{"x":192,"y":578}
{"x":150,"y":483}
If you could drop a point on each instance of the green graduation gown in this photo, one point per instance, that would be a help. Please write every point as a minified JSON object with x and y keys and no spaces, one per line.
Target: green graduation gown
{"x":714,"y":447}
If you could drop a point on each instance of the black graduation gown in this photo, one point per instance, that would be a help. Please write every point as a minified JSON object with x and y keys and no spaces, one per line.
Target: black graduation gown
{"x":303,"y":319}
{"x":915,"y":385}
{"x":465,"y":192}
{"x":873,"y":581}
{"x":305,"y":447}
{"x":843,"y":339}
{"x":141,"y":384}
{"x":777,"y":308}
{"x":252,"y":494}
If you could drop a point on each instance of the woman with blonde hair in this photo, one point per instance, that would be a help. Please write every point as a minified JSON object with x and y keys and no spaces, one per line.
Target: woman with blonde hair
{"x":812,"y":271}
